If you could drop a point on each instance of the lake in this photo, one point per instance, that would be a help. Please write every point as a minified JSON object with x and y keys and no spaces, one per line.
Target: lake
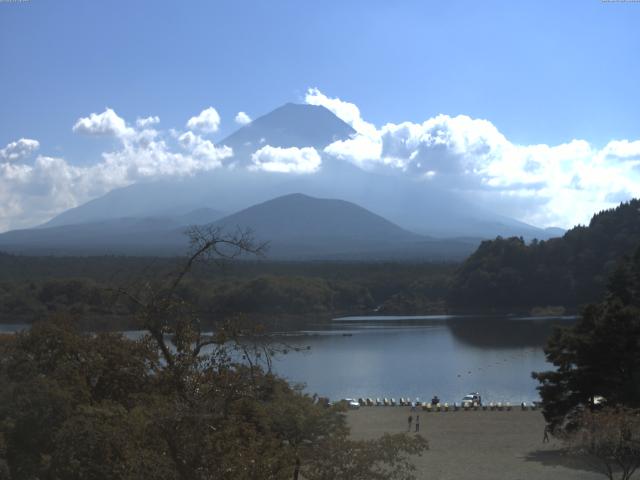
{"x":417,"y":356}
{"x":421,"y":356}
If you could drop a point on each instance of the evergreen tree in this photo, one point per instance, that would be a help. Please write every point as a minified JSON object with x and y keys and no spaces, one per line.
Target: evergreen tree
{"x":597,"y":357}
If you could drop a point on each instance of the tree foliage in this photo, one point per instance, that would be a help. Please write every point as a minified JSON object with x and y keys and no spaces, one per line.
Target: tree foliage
{"x":83,"y":287}
{"x":175,"y":403}
{"x":609,"y":440}
{"x":570,"y":271}
{"x":598,"y":356}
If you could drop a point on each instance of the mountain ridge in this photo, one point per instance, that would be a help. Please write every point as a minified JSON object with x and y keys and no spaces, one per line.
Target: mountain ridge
{"x":412,"y":204}
{"x":297,"y":227}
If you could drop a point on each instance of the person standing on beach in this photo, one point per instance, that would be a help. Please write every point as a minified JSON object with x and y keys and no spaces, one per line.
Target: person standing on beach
{"x":409,"y":420}
{"x":417,"y":423}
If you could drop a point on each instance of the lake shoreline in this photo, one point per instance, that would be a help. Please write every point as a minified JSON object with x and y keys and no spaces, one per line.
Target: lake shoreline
{"x":276,"y":321}
{"x":413,"y":358}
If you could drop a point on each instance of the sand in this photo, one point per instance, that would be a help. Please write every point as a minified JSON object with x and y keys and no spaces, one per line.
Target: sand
{"x":478,"y":445}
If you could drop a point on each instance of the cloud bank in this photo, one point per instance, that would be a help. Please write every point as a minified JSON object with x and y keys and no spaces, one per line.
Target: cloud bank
{"x":545,"y":185}
{"x":34,"y":190}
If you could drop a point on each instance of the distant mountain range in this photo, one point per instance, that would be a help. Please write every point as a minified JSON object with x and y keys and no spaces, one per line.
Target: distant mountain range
{"x":296,"y":226}
{"x":130,"y":235}
{"x":425,"y":209}
{"x":411,"y":219}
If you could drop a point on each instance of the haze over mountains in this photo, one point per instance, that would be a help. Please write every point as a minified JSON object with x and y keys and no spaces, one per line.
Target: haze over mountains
{"x":386,"y":214}
{"x":296,"y":226}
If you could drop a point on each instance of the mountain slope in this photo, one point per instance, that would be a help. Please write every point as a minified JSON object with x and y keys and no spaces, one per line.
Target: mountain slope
{"x":296,"y":226}
{"x":291,"y":125}
{"x":298,"y":216}
{"x":287,"y":126}
{"x":412,"y":203}
{"x":141,"y":236}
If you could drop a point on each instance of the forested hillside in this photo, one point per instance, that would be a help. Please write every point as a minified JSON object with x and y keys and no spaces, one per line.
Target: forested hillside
{"x":568,"y":271}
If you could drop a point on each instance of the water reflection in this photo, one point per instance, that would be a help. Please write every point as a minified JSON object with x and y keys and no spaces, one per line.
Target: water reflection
{"x":505,"y":332}
{"x":422,"y":356}
{"x":416,"y":356}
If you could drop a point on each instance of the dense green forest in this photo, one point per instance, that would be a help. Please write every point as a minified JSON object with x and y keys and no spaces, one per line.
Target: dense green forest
{"x":90,"y":287}
{"x":505,"y":274}
{"x":569,"y":271}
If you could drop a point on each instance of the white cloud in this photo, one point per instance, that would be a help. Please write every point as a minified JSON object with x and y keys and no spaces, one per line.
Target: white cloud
{"x":208,"y":121}
{"x":541,"y":184}
{"x":204,"y":150}
{"x":360,"y":149}
{"x":347,"y":112}
{"x":147,"y":121}
{"x":242,"y":118}
{"x":622,"y":150}
{"x":286,"y":160}
{"x":105,"y":123}
{"x":31,"y":193}
{"x":19,"y":149}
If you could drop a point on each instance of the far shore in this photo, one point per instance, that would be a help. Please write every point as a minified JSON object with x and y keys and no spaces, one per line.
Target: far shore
{"x":284,"y":321}
{"x":476,"y":445}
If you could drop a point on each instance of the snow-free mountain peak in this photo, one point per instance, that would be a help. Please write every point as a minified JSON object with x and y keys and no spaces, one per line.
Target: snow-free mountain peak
{"x":291,"y":125}
{"x":297,"y":216}
{"x":413,"y":204}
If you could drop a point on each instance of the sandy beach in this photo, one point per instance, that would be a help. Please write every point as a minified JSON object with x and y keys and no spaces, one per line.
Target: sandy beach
{"x":478,"y":445}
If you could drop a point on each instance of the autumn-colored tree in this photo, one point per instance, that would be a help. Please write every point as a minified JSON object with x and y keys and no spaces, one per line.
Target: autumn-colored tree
{"x":174,"y":403}
{"x":610,"y":440}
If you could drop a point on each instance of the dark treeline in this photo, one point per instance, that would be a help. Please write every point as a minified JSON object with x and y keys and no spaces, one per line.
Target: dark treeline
{"x":88,"y":287}
{"x":569,"y":271}
{"x":598,"y":356}
{"x":505,"y":274}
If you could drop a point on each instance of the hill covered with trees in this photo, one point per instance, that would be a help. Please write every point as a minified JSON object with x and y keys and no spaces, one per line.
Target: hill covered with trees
{"x":569,"y":271}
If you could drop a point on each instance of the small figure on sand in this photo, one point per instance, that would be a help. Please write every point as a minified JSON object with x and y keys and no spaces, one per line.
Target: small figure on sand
{"x":417,"y":423}
{"x":545,"y":439}
{"x":409,"y":420}
{"x":435,"y":400}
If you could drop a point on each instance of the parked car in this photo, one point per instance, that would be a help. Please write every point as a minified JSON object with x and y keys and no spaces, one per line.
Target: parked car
{"x":352,"y":403}
{"x":472,"y":399}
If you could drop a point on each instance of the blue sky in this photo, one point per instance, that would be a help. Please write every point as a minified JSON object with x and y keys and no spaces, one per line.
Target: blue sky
{"x":542,"y":72}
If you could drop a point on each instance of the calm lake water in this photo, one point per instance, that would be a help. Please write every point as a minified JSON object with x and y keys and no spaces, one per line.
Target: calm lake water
{"x":417,"y":356}
{"x":422,"y":356}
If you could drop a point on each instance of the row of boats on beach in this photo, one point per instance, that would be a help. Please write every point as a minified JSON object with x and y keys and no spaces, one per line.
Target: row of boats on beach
{"x":472,"y":401}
